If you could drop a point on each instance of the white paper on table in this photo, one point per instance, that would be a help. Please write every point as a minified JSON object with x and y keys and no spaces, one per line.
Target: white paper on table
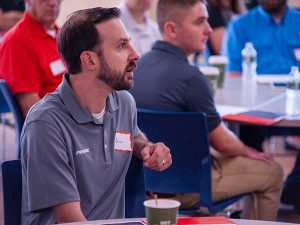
{"x":271,"y":78}
{"x":230,"y":109}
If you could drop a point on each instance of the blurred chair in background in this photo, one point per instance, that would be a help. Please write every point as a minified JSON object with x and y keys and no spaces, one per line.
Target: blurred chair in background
{"x":12,"y":191}
{"x":7,"y":105}
{"x":135,"y":193}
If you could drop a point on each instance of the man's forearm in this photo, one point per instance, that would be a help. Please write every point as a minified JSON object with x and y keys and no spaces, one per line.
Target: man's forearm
{"x":68,"y":212}
{"x":140,"y":142}
{"x":226,"y":142}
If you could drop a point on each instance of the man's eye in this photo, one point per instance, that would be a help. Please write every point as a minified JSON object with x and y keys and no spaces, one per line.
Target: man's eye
{"x":123,"y":45}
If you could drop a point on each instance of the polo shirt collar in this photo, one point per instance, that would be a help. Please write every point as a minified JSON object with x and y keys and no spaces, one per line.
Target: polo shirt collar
{"x":171,"y":49}
{"x":77,"y":111}
{"x":38,"y":28}
{"x":267,"y":18}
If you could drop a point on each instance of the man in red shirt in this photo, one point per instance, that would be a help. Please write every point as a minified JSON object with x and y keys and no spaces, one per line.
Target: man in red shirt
{"x":30,"y":62}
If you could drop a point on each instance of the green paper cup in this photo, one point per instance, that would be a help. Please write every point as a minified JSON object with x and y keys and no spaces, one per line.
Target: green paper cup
{"x":220,"y":62}
{"x":164,"y":213}
{"x":212,"y":73}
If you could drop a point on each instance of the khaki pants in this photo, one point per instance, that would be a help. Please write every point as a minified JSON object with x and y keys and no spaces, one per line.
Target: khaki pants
{"x":238,"y":175}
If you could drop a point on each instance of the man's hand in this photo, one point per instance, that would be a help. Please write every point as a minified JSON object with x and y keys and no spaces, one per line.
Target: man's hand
{"x":156,"y":156}
{"x":254,"y":154}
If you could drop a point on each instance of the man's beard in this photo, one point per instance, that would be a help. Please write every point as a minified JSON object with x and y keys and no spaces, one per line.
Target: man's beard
{"x":115,"y":79}
{"x":273,"y":9}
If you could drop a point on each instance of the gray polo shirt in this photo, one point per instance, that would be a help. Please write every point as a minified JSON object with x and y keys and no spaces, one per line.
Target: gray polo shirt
{"x":67,"y":155}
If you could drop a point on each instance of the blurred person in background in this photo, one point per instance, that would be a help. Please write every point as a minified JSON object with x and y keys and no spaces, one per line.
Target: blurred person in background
{"x":11,"y":11}
{"x":30,"y":62}
{"x":142,"y":30}
{"x":274,"y":30}
{"x":220,"y":13}
{"x":251,"y":4}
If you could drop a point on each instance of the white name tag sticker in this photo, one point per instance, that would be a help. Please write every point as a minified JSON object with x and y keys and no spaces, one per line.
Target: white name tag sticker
{"x":123,"y":141}
{"x":57,"y":67}
{"x":297,"y":53}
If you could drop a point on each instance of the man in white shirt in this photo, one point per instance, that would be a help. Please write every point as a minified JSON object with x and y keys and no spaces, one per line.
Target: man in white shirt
{"x":142,"y":30}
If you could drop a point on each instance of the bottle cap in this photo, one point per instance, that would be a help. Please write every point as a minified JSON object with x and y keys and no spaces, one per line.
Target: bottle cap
{"x":294,"y":68}
{"x":249,"y":44}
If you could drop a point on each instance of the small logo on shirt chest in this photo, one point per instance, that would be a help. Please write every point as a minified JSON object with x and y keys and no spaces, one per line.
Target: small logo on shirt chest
{"x":82,"y":151}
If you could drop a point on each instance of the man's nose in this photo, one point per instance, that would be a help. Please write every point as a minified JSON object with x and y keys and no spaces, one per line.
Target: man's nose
{"x":208,"y":28}
{"x":134,"y":55}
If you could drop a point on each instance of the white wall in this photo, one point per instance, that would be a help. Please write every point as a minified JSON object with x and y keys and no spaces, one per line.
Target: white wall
{"x":69,"y":6}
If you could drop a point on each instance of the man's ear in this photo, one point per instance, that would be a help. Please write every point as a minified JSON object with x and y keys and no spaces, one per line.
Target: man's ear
{"x":170,"y":29}
{"x":88,"y":60}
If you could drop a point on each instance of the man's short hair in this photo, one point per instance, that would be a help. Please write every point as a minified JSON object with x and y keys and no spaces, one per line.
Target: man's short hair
{"x":79,"y":34}
{"x":173,"y":10}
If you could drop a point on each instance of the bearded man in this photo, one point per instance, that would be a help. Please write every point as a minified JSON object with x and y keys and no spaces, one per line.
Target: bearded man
{"x":74,"y":170}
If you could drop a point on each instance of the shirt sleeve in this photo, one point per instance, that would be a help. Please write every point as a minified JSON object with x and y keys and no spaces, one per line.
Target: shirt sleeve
{"x":49,"y":176}
{"x":232,"y":47}
{"x":21,"y":70}
{"x":199,"y":98}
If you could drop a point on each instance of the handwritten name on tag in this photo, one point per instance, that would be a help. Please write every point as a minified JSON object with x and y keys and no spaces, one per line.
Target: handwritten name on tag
{"x":57,"y":67}
{"x":123,"y":141}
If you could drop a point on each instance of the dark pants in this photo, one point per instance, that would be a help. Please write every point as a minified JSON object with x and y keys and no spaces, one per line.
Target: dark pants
{"x":291,"y":191}
{"x":254,"y":136}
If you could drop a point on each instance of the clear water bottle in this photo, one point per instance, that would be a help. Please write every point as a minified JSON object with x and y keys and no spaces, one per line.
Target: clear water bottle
{"x":249,"y":74}
{"x":249,"y":63}
{"x":292,"y":106}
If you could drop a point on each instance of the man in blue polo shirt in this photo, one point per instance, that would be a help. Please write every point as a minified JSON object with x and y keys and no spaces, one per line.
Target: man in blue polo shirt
{"x":274,"y":30}
{"x":77,"y":142}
